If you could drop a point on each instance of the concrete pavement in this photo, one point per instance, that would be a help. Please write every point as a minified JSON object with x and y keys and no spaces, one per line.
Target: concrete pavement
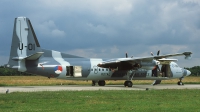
{"x":94,"y":88}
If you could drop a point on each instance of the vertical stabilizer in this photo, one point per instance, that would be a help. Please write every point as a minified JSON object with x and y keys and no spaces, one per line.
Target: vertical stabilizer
{"x":24,"y":43}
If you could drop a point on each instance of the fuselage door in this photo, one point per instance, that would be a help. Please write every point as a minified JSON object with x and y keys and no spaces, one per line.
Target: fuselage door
{"x":74,"y":71}
{"x":166,"y":71}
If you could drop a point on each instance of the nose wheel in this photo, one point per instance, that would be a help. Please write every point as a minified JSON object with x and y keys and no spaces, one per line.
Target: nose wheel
{"x":128,"y":83}
{"x":180,"y":82}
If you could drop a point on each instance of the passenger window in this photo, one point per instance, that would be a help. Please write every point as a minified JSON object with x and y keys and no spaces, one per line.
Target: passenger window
{"x":102,"y":69}
{"x":91,"y":69}
{"x":99,"y":69}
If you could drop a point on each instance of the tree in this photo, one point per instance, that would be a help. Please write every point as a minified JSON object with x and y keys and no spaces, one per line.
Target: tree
{"x":195,"y":71}
{"x":11,"y":72}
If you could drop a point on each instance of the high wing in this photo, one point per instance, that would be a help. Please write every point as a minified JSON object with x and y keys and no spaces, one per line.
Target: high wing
{"x":138,"y":62}
{"x":187,"y":55}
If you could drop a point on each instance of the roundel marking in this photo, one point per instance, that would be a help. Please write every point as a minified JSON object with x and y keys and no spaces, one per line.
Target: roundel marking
{"x":58,"y":69}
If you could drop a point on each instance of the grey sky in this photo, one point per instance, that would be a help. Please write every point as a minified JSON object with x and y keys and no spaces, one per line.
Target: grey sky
{"x":107,"y":29}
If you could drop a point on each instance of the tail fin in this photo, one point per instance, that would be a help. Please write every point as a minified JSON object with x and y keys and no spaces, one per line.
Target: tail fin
{"x":25,"y":45}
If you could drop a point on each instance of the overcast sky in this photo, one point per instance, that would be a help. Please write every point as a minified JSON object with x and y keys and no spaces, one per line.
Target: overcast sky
{"x":107,"y":28}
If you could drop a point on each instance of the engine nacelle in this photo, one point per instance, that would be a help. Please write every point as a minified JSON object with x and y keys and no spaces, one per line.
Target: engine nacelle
{"x":149,"y":65}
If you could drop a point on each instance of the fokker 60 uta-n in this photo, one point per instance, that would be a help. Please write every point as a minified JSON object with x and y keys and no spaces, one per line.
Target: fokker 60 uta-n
{"x":26,"y":55}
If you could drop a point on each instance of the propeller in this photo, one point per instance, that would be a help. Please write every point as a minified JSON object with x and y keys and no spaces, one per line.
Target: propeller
{"x":158,"y":53}
{"x":158,"y":67}
{"x":151,"y":53}
{"x":127,"y":55}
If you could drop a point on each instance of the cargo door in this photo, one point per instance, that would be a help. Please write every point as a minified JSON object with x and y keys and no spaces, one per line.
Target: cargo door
{"x":77,"y":71}
{"x":74,"y":71}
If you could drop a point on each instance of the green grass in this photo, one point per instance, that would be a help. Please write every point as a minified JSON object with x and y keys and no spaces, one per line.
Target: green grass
{"x":88,"y":101}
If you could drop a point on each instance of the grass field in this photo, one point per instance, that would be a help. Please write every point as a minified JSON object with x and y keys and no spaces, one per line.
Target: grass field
{"x":95,"y":101}
{"x":84,"y":101}
{"x":44,"y":81}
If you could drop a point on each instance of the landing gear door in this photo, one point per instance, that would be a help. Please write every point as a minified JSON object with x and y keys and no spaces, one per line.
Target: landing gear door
{"x":77,"y":71}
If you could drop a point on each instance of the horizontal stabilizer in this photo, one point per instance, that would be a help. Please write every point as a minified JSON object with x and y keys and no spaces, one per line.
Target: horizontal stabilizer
{"x":31,"y":57}
{"x":34,"y":56}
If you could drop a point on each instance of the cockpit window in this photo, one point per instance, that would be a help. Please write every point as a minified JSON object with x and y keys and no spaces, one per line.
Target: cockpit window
{"x":175,"y":65}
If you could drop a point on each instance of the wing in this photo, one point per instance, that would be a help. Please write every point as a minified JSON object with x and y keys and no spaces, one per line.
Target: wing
{"x":124,"y":63}
{"x":137,"y":62}
{"x":187,"y":55}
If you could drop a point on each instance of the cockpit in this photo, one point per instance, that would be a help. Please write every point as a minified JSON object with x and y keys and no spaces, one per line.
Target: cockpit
{"x":174,"y":65}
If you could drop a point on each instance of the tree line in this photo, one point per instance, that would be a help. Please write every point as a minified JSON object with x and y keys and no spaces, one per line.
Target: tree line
{"x":195,"y":71}
{"x":11,"y":72}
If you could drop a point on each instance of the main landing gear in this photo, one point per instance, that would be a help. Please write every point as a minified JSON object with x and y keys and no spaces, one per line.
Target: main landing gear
{"x":180,"y":82}
{"x":100,"y":83}
{"x":128,"y":83}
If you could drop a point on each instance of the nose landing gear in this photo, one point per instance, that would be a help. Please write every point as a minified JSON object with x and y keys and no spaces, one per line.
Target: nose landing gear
{"x":180,"y":82}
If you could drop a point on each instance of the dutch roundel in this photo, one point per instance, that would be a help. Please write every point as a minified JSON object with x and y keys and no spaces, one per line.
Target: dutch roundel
{"x":58,"y":69}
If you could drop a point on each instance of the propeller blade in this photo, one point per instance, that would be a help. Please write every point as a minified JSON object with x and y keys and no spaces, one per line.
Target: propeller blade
{"x":151,"y":54}
{"x":126,"y":55}
{"x":158,"y":52}
{"x":157,"y":67}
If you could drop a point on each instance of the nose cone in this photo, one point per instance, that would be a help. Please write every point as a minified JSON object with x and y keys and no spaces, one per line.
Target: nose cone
{"x":188,"y":73}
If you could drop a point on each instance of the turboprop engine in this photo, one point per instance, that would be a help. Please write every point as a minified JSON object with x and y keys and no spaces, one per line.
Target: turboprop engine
{"x":149,"y":65}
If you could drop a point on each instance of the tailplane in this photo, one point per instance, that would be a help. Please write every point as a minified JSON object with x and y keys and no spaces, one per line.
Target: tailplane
{"x":25,"y":45}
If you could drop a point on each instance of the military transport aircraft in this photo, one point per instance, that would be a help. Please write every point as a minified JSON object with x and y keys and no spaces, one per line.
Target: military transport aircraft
{"x":26,"y":55}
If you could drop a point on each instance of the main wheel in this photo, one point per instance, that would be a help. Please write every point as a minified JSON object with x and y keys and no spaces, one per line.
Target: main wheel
{"x":125,"y":83}
{"x":129,"y":84}
{"x":101,"y":83}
